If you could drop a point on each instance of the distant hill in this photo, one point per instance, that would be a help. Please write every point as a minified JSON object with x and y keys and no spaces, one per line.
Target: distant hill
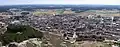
{"x":74,"y":7}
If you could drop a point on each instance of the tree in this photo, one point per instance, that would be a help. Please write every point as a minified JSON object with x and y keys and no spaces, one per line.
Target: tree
{"x":18,"y":33}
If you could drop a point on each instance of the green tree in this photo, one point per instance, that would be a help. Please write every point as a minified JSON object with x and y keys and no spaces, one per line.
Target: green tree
{"x":18,"y":33}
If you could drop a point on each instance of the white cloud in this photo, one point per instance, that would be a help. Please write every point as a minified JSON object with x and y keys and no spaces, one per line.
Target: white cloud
{"x":113,"y":2}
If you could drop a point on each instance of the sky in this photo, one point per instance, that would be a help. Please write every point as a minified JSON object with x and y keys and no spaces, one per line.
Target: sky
{"x":18,"y":2}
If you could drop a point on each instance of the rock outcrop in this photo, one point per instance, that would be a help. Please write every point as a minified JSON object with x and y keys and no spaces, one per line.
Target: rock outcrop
{"x":3,"y":28}
{"x":33,"y":42}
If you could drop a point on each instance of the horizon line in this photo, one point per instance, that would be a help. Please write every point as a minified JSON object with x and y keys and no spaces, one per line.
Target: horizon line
{"x":59,"y":4}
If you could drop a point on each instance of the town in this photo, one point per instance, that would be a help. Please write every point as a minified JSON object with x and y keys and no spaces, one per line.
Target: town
{"x":92,"y":25}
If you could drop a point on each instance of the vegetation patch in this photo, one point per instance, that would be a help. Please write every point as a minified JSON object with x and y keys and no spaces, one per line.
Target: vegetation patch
{"x":19,"y":33}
